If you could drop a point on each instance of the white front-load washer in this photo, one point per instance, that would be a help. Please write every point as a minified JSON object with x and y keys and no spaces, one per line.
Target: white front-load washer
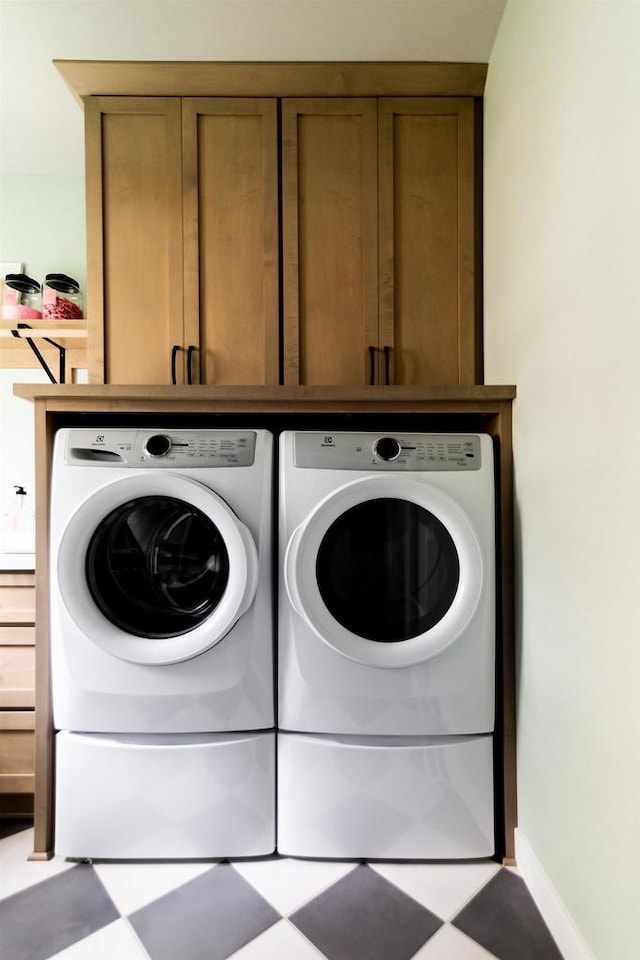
{"x":161,"y":589}
{"x":386,"y":644}
{"x":161,"y":632}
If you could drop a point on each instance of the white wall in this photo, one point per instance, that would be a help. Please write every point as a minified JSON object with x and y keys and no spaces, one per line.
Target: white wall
{"x":45,"y":121}
{"x":562,"y":320}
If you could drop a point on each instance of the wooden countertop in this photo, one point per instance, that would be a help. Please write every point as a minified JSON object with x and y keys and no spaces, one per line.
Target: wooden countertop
{"x":202,"y":398}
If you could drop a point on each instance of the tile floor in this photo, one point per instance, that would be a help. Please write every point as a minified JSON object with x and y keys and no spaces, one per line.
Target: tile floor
{"x":271,"y":909}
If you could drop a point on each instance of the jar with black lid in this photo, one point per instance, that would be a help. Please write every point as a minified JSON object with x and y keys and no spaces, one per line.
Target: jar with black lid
{"x":21,"y":298}
{"x":61,"y":298}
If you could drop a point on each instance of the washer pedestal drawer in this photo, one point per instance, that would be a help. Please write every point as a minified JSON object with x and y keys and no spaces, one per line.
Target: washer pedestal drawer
{"x":165,"y":796}
{"x":398,"y":798}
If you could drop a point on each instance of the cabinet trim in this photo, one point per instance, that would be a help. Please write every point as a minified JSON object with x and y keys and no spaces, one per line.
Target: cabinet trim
{"x":88,"y":78}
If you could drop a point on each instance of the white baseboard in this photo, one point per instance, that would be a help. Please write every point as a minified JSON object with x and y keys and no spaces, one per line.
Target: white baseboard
{"x":553,"y":910}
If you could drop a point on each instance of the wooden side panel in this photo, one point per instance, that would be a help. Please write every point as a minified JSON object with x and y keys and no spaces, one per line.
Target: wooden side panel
{"x":45,"y":428}
{"x":427,"y":239}
{"x":231,"y":239}
{"x":134,"y":236}
{"x":329,"y":240}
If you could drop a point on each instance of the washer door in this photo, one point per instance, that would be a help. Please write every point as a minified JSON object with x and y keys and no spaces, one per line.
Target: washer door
{"x":156,"y":568}
{"x":388,"y":571}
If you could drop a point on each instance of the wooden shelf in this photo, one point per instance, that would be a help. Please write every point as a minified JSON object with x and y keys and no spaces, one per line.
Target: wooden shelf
{"x":265,"y":399}
{"x":55,"y":329}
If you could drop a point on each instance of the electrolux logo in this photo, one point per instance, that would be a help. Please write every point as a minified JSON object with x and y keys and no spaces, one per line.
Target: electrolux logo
{"x":328,"y":442}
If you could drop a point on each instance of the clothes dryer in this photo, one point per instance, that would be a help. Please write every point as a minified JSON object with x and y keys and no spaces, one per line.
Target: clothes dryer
{"x":386,"y":638}
{"x":161,"y":628}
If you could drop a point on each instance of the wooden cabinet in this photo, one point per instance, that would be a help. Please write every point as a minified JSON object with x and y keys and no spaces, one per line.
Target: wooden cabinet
{"x":17,"y":694}
{"x":298,"y":240}
{"x":379,"y":243}
{"x":182,"y":240}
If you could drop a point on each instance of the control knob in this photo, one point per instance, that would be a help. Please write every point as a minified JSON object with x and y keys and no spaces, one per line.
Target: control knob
{"x":158,"y":445}
{"x":386,"y":448}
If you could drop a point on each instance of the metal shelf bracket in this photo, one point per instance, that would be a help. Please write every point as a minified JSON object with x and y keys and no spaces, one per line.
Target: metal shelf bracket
{"x":41,"y":360}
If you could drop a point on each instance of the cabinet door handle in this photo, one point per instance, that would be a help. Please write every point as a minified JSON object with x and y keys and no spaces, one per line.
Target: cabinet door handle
{"x":174,"y":362}
{"x":372,"y":366}
{"x":190,"y":351}
{"x":387,"y":366}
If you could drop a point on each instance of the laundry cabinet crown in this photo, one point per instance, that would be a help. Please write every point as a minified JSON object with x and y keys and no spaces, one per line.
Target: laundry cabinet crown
{"x":324,"y":231}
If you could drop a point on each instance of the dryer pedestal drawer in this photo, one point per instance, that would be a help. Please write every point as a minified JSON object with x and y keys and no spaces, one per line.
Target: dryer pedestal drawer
{"x":385,"y":797}
{"x":165,"y":797}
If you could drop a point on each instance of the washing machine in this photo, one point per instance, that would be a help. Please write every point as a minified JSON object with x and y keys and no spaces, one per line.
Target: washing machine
{"x":386,"y":645}
{"x":161,"y":632}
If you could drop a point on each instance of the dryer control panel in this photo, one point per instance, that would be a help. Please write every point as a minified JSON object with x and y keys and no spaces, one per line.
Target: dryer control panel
{"x":377,"y":451}
{"x":161,"y":448}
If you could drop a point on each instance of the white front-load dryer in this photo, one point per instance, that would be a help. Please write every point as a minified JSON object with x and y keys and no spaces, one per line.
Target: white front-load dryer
{"x":161,"y":632}
{"x":387,"y":587}
{"x":386,"y":644}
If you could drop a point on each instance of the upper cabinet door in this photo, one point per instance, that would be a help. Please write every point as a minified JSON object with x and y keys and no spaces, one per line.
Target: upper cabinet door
{"x":134,"y":237}
{"x":329,"y":203}
{"x":230,"y":150}
{"x":428,"y":319}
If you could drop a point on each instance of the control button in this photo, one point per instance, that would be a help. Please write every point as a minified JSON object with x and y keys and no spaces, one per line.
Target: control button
{"x":387,"y":448}
{"x":157,"y":445}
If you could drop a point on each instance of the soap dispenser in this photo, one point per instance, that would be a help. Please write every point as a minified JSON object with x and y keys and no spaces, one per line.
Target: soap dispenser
{"x":19,"y":525}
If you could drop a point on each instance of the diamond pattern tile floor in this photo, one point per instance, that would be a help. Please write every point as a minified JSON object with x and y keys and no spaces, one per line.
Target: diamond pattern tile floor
{"x":504,"y":919}
{"x":272,"y":909}
{"x":364,"y":917}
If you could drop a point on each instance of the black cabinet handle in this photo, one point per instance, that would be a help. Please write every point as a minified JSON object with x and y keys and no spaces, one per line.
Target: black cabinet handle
{"x":190,"y":351}
{"x":174,"y":362}
{"x":372,"y":366}
{"x":387,"y":366}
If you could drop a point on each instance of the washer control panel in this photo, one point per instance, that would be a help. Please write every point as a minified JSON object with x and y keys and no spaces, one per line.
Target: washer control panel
{"x":377,"y":451}
{"x":161,"y":448}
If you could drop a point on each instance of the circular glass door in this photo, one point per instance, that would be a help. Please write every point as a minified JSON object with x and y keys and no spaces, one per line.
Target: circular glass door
{"x":386,"y":570}
{"x":156,"y":568}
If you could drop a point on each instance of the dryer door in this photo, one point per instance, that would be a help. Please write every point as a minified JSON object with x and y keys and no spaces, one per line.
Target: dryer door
{"x":156,"y":568}
{"x":386,"y":570}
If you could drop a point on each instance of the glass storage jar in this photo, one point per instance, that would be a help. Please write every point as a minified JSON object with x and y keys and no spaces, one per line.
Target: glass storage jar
{"x":21,"y":298}
{"x":61,"y":298}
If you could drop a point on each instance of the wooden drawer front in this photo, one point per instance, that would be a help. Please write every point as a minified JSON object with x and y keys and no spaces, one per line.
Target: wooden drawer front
{"x":18,"y":636}
{"x":17,"y":676}
{"x":17,"y":605}
{"x":17,"y":754}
